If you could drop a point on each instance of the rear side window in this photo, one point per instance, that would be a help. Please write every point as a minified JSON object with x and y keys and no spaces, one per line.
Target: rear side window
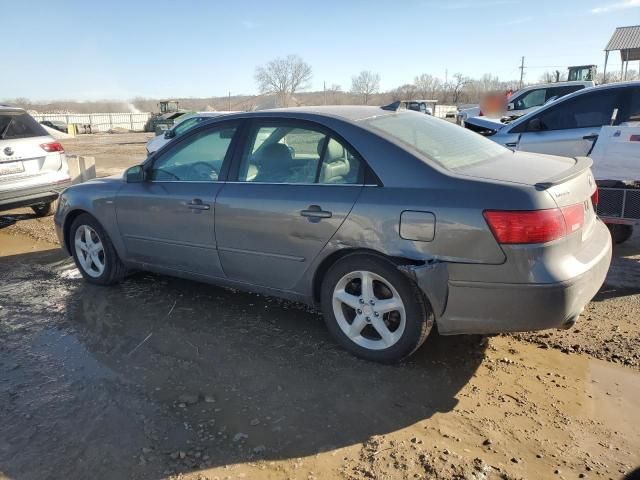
{"x":634,"y":107}
{"x":585,"y":111}
{"x":557,"y":92}
{"x":19,"y":125}
{"x":295,"y":154}
{"x":443,"y":142}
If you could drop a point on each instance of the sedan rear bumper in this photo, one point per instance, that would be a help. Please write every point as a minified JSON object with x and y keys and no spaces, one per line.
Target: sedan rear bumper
{"x":490,"y":307}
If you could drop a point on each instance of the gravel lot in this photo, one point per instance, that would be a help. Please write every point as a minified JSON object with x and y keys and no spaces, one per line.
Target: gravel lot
{"x":160,"y":377}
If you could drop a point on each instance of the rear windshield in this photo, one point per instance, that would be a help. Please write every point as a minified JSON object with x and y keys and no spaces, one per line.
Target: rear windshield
{"x":19,"y":125}
{"x":449,"y":145}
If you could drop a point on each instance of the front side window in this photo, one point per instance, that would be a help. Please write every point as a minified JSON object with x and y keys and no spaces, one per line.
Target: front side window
{"x":584,"y":111}
{"x":534,"y":98}
{"x":297,"y":155}
{"x":197,"y":159}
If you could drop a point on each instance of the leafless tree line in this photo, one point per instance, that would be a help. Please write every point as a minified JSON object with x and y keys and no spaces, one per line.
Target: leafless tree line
{"x":286,"y":81}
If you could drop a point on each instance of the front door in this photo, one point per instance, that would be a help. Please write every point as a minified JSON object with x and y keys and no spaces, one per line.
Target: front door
{"x":168,"y":219}
{"x":570,"y":127}
{"x":294,"y":186}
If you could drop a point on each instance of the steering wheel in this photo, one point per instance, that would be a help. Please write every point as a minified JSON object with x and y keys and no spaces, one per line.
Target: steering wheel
{"x":205,"y":170}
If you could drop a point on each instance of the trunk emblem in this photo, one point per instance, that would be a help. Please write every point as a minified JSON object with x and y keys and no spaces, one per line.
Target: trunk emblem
{"x":8,"y":151}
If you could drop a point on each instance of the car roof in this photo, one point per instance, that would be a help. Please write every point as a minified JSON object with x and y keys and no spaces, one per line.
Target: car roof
{"x":8,"y":108}
{"x":586,"y":83}
{"x":350,"y":113}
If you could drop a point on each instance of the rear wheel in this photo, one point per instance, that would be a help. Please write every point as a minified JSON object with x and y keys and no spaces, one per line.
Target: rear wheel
{"x":620,"y":233}
{"x":93,"y":252}
{"x":374,"y":310}
{"x":43,"y":209}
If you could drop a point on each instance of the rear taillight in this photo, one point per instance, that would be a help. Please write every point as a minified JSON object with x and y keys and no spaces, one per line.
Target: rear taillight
{"x":534,"y":226}
{"x":52,"y":147}
{"x":595,"y":198}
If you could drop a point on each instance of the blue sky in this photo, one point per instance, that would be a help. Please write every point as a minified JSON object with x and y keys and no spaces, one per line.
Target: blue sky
{"x":119,"y":49}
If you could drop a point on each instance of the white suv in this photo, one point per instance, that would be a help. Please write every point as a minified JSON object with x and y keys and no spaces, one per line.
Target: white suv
{"x":33,"y":167}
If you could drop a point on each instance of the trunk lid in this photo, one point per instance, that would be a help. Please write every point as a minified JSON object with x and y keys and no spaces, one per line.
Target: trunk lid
{"x":569,"y":181}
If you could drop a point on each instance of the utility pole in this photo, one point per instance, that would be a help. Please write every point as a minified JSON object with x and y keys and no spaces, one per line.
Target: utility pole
{"x":521,"y":71}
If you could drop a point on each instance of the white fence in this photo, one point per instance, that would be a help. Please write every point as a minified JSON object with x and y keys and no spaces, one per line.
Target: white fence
{"x":100,"y":122}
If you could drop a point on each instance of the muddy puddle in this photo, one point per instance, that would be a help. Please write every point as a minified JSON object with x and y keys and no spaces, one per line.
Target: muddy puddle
{"x":160,"y":377}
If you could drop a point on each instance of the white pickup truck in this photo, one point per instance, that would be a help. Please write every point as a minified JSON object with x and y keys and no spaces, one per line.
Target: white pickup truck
{"x":616,"y":167}
{"x":527,"y":100}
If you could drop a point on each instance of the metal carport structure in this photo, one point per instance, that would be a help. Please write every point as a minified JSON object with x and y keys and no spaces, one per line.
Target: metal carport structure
{"x":627,"y":41}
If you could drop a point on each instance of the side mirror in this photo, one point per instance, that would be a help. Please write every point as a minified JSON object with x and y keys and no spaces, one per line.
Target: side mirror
{"x":535,"y":125}
{"x":134,"y":174}
{"x":169,"y":134}
{"x":510,"y":106}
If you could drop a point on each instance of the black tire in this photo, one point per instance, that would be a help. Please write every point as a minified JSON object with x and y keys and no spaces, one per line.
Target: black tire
{"x":419,"y":315}
{"x":620,"y":233}
{"x":114,"y":269}
{"x":43,"y":209}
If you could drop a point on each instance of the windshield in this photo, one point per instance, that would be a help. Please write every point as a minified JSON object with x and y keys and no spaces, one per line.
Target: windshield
{"x":449,"y":145}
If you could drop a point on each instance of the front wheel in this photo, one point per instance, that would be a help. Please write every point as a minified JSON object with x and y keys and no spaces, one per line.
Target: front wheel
{"x":373,"y":309}
{"x":93,"y":252}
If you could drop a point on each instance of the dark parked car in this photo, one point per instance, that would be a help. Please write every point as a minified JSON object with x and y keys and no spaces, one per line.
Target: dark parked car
{"x":56,"y":125}
{"x":389,"y":220}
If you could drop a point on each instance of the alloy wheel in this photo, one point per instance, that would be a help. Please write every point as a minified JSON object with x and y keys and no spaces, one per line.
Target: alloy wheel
{"x":89,"y":251}
{"x":369,"y":310}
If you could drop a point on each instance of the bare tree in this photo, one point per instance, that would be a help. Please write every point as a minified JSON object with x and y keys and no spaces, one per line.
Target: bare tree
{"x":365,"y":84}
{"x":405,"y":92}
{"x":427,"y":85}
{"x":456,"y":86}
{"x":334,"y":91}
{"x":284,"y":77}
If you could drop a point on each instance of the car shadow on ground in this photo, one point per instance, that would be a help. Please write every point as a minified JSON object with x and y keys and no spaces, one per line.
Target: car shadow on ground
{"x":8,"y":219}
{"x":159,"y":375}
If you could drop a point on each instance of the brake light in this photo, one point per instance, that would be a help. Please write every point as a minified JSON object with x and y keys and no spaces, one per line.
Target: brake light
{"x":595,"y":198}
{"x":534,"y":226}
{"x":573,"y":217}
{"x":52,"y":147}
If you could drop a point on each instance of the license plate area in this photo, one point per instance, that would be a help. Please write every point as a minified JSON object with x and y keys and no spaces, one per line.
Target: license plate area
{"x":9,"y":168}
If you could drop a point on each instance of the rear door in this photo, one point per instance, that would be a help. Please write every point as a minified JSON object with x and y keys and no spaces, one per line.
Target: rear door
{"x":21,"y":147}
{"x":570,"y":127}
{"x":294,"y":183}
{"x":168,"y":219}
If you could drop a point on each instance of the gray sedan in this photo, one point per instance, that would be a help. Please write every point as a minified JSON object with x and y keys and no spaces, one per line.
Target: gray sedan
{"x":390,"y":221}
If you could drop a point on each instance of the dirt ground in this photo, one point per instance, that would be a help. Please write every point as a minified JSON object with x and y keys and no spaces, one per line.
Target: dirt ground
{"x":166,"y":378}
{"x":112,"y":152}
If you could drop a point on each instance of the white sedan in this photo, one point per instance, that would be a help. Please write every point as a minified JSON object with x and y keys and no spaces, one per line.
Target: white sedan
{"x":184,"y":123}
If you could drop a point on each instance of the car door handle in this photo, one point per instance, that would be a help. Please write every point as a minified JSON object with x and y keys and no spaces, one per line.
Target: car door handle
{"x":314,"y":212}
{"x":593,"y":136}
{"x":511,"y":144}
{"x":196,"y":204}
